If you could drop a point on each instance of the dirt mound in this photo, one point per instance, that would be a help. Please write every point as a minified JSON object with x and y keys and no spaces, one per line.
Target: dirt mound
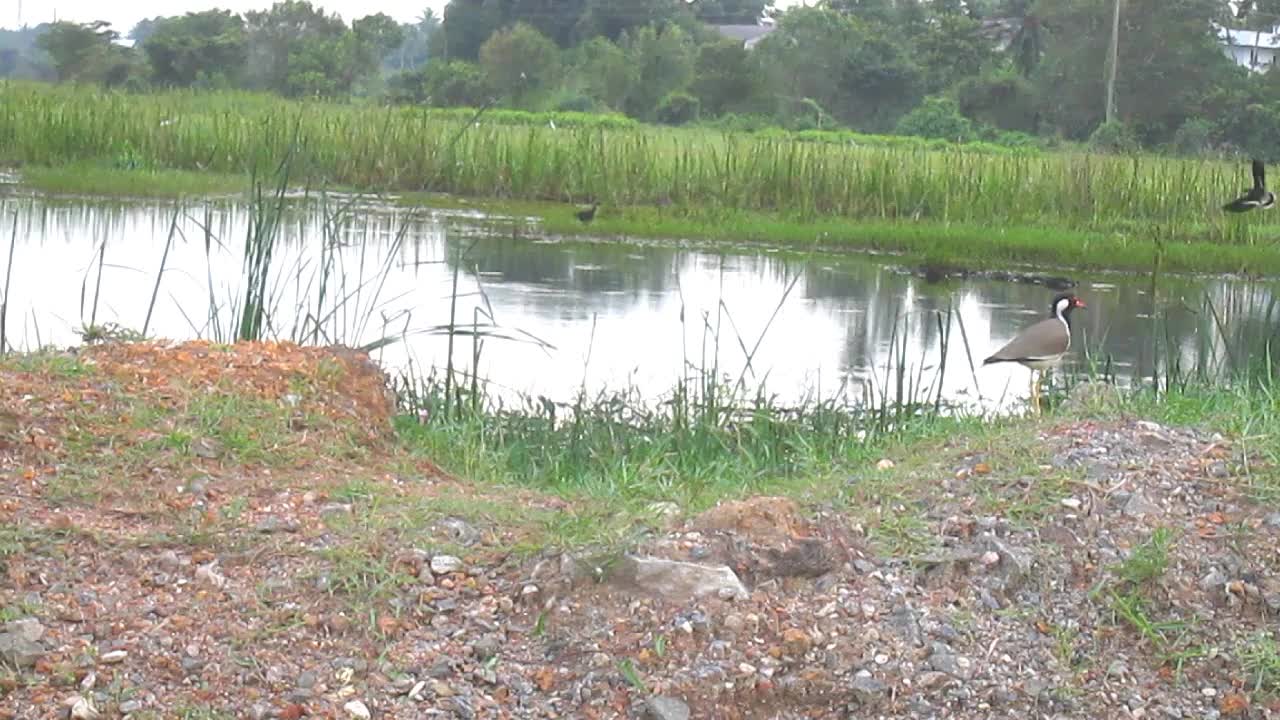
{"x":161,"y":419}
{"x":760,"y":518}
{"x":335,"y":382}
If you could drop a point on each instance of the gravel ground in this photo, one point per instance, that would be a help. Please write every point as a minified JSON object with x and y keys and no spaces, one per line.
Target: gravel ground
{"x":1144,"y":586}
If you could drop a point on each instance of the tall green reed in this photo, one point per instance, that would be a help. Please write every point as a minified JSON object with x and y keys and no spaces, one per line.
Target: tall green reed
{"x":711,"y":433}
{"x":8,"y":279}
{"x":414,"y":148}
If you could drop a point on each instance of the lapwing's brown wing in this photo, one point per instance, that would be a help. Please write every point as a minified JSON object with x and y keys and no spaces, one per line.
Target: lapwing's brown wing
{"x":1046,"y":339}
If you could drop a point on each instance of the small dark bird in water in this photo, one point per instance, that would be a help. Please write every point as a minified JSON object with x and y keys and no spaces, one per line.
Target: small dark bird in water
{"x":589,"y":214}
{"x":1257,"y":196}
{"x":1042,"y":345}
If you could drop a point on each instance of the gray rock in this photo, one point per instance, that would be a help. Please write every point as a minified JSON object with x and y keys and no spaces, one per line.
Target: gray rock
{"x":404,"y":684}
{"x":462,"y":708}
{"x":130,"y":706}
{"x":1003,"y":696}
{"x":692,"y":621}
{"x":168,"y":561}
{"x":486,"y":647}
{"x":334,"y":509}
{"x":957,"y":666}
{"x":80,"y":708}
{"x":904,"y":623}
{"x":357,"y":665}
{"x":1021,"y":562}
{"x":868,"y":690}
{"x":1214,"y":580}
{"x":932,"y":680}
{"x":208,"y":448}
{"x":445,"y":564}
{"x":1140,"y":504}
{"x":1014,"y":568}
{"x":275,"y":524}
{"x":664,"y":509}
{"x":675,"y":579}
{"x":307,"y":679}
{"x":19,"y":652}
{"x":1272,"y":521}
{"x":300,"y":695}
{"x":358,"y":710}
{"x":663,"y":707}
{"x":275,"y":675}
{"x":459,"y":530}
{"x":28,"y":629}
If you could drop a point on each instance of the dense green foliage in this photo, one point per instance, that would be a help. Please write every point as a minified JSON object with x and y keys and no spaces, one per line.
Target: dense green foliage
{"x":935,"y":68}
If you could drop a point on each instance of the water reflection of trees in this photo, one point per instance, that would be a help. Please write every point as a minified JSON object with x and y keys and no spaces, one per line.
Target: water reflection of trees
{"x":864,"y":302}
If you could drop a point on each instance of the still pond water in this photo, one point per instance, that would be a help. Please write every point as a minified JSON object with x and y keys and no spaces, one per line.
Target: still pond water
{"x":601,"y":315}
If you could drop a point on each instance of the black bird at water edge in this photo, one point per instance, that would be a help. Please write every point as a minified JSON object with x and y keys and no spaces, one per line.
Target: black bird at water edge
{"x":1257,"y":196}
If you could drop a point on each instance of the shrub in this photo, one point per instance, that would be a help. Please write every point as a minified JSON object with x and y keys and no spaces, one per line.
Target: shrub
{"x":1003,"y":99}
{"x":678,"y":108}
{"x":734,"y":122}
{"x":576,"y":103}
{"x":442,"y":84}
{"x":1114,"y":137}
{"x":1194,"y":137}
{"x":937,"y":117}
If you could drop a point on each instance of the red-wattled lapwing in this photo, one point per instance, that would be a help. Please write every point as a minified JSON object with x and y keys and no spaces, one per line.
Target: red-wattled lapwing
{"x":1042,"y":345}
{"x":586,"y":216}
{"x":1257,"y":196}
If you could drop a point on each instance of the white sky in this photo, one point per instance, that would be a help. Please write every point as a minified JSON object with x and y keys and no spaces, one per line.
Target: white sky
{"x":124,"y":14}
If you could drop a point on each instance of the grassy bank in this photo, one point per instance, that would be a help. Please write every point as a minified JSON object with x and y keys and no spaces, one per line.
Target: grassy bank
{"x":922,"y":241}
{"x":622,"y":165}
{"x":97,"y":180}
{"x":926,"y":242}
{"x":626,"y":454}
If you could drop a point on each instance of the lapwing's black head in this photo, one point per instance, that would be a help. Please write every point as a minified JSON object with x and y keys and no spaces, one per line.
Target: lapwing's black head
{"x":1063,"y":305}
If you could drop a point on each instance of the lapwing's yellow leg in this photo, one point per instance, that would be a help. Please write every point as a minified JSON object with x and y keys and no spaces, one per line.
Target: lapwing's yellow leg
{"x":1035,"y":390}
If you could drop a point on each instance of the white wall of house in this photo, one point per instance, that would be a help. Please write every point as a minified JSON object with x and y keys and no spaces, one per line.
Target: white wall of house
{"x":1257,"y":51}
{"x":1254,"y":58}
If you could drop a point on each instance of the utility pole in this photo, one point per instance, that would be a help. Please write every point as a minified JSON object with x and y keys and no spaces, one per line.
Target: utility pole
{"x":1114,"y":61}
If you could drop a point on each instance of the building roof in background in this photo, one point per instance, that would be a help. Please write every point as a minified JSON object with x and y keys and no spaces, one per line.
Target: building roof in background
{"x":1249,"y":38}
{"x":747,"y":34}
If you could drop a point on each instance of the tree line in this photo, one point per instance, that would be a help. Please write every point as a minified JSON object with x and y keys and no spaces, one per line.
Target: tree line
{"x":1010,"y":71}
